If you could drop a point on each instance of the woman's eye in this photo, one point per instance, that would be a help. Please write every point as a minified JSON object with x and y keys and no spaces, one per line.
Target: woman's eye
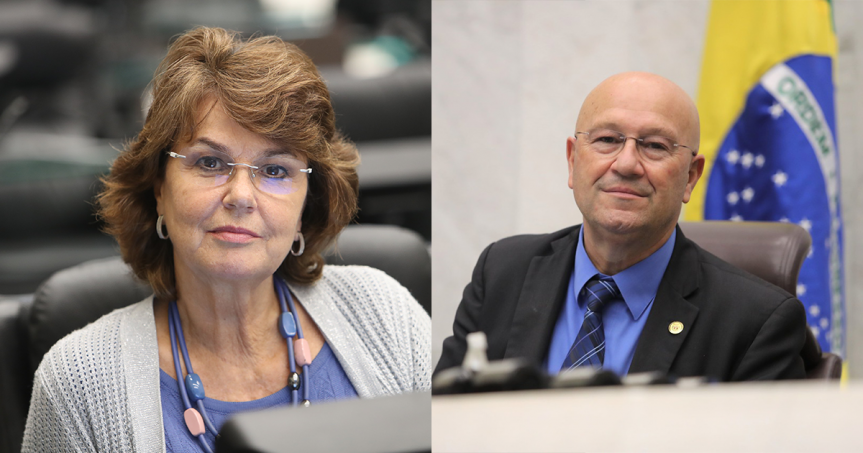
{"x":210,"y":162}
{"x":274,"y":171}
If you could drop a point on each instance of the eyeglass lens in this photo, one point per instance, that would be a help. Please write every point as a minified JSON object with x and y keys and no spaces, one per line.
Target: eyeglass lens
{"x":276,"y":174}
{"x":607,"y":141}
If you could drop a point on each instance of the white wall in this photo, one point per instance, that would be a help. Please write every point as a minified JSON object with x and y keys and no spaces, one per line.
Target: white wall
{"x":508,"y":80}
{"x":848,"y":15}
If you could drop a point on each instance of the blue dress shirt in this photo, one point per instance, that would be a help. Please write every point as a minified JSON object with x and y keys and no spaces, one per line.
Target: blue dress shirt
{"x":621,"y":322}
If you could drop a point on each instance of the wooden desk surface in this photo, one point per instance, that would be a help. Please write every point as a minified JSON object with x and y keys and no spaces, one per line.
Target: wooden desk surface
{"x":781,"y":417}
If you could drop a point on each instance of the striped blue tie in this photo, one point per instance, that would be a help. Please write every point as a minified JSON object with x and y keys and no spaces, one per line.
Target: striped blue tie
{"x":589,"y":346}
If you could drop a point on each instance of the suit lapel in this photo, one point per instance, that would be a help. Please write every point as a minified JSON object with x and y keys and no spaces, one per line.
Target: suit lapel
{"x":541,"y":299}
{"x":657,"y":346}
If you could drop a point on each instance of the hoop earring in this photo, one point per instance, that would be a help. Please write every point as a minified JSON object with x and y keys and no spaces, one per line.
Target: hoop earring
{"x":302,"y":246}
{"x":159,"y":228}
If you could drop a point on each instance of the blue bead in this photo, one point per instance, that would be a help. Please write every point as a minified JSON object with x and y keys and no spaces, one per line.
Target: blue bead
{"x":287,"y":326}
{"x":194,"y":387}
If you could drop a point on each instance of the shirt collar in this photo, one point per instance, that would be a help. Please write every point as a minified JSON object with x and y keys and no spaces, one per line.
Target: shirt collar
{"x":638,"y":283}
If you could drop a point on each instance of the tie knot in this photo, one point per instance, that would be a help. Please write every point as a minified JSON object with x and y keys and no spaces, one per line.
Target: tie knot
{"x":599,"y":291}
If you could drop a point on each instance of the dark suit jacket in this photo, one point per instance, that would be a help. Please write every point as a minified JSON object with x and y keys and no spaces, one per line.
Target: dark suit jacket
{"x":736,"y":326}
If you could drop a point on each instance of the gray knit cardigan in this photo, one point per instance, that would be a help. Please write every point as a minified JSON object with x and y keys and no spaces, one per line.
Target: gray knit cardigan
{"x":98,"y":388}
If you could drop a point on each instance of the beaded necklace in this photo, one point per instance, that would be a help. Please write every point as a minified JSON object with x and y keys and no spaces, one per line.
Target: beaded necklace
{"x":192,"y":389}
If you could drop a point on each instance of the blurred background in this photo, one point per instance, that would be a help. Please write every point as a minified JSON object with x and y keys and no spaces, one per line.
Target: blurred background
{"x":74,"y":78}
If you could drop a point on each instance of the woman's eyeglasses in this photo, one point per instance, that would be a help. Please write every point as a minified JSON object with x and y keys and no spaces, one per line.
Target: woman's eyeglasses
{"x":278,"y":174}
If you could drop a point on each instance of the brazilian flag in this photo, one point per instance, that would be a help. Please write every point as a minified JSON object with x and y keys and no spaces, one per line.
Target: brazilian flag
{"x":768,"y":122}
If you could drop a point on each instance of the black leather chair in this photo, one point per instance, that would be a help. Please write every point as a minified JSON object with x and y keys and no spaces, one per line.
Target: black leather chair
{"x":79,"y":295}
{"x":773,"y":251}
{"x":15,"y":376}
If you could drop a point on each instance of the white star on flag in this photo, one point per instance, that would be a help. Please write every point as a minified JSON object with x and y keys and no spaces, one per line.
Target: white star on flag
{"x":747,"y":160}
{"x":732,"y":198}
{"x":776,"y":110}
{"x":747,"y":194}
{"x":806,"y":224}
{"x":814,"y":310}
{"x":736,"y":218}
{"x":810,"y":252}
{"x":732,"y":157}
{"x":815,"y":331}
{"x":784,"y":220}
{"x":801,"y":290}
{"x":825,"y":323}
{"x":779,"y":178}
{"x":759,"y":160}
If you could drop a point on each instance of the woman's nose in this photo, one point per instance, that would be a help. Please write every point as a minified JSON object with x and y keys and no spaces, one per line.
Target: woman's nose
{"x":241,"y":189}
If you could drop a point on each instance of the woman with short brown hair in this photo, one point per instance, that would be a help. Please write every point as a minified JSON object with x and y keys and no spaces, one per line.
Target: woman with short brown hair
{"x":223,"y":203}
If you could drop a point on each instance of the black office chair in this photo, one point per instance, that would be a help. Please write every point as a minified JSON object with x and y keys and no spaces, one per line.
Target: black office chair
{"x":15,"y":376}
{"x":773,"y":251}
{"x":77,"y":296}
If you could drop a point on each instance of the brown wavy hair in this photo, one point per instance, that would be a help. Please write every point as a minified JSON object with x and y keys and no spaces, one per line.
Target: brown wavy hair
{"x":269,"y":87}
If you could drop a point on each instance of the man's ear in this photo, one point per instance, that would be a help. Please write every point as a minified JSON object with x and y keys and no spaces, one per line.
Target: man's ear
{"x":570,"y":156}
{"x":696,"y":167}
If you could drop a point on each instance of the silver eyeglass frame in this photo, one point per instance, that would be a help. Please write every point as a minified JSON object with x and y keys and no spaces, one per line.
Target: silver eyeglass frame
{"x":640,"y":141}
{"x":307,"y":171}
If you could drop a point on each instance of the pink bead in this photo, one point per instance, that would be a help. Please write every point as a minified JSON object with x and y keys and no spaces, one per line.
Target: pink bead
{"x":302,"y":352}
{"x":194,"y":421}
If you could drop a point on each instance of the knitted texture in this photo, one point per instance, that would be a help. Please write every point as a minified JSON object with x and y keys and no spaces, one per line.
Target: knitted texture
{"x":98,"y":388}
{"x":67,"y":406}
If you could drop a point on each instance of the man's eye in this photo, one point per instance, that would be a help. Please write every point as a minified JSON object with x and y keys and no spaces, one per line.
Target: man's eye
{"x":608,"y":139}
{"x":656,"y":145}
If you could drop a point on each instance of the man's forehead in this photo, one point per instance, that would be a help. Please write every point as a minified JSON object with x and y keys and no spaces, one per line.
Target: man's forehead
{"x":631,"y":121}
{"x":644,"y":103}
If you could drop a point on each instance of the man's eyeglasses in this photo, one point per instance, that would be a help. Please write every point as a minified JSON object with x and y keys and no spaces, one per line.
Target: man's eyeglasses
{"x":610,"y":142}
{"x":277,"y":175}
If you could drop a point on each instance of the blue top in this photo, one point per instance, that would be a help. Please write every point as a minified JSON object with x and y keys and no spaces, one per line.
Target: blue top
{"x":327,"y":380}
{"x":621,"y":322}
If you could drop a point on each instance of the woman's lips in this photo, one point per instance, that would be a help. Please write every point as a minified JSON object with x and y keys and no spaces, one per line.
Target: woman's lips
{"x":234,"y":234}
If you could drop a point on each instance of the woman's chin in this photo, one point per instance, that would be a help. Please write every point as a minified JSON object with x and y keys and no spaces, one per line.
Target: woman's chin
{"x":236,"y":270}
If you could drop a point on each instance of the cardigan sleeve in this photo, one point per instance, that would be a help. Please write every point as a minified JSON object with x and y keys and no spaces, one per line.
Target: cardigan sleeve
{"x":51,"y":424}
{"x":376,"y":328}
{"x":408,"y":327}
{"x":420,"y":323}
{"x":79,"y":398}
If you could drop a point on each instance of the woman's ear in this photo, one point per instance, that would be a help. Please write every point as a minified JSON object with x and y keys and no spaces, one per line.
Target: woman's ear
{"x":157,"y":192}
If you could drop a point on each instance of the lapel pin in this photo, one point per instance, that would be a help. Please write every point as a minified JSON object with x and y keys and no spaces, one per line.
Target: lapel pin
{"x":675,"y":328}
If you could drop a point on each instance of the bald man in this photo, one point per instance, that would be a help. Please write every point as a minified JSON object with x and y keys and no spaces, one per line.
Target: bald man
{"x":626,"y":291}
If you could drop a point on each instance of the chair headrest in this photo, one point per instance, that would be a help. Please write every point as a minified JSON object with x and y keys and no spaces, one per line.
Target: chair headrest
{"x":77,"y":296}
{"x":773,"y":251}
